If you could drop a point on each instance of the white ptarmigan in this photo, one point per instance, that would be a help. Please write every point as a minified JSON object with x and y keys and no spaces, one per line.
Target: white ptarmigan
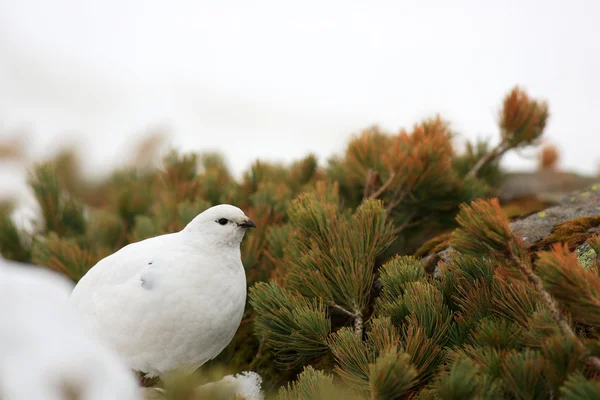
{"x":46,"y":352}
{"x":174,"y":301}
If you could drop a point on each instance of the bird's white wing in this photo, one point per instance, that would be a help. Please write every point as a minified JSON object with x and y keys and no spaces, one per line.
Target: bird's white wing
{"x":132,"y":299}
{"x":122,"y":312}
{"x":117,"y":270}
{"x":114,"y":293}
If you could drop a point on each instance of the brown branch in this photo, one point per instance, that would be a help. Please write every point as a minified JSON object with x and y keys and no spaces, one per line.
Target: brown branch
{"x":552,"y":305}
{"x":368,"y":183}
{"x":357,"y":315}
{"x":391,"y":205}
{"x":257,"y":355}
{"x":409,"y":223}
{"x":488,"y":158}
{"x":341,"y":309}
{"x":397,"y":199}
{"x":383,"y":187}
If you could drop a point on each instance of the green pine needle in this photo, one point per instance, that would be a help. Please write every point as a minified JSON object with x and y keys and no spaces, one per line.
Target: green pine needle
{"x":577,"y":387}
{"x":314,"y":385}
{"x":576,"y":288}
{"x":392,"y":375}
{"x":295,"y":327}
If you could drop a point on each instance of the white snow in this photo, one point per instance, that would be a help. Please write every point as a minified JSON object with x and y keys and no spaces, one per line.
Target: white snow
{"x":45,"y":351}
{"x":245,"y":385}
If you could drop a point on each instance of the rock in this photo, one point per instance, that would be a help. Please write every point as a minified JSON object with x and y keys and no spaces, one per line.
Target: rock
{"x":575,"y":205}
{"x":586,"y":255}
{"x":583,"y":207}
{"x":431,"y":262}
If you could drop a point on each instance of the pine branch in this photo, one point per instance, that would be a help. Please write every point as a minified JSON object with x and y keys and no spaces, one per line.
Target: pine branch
{"x":353,"y":356}
{"x":14,"y":243}
{"x":562,"y":359}
{"x":522,"y":121}
{"x":578,"y":387}
{"x":396,"y":199}
{"x":392,"y":375}
{"x":337,"y":261}
{"x":357,"y":316}
{"x":496,"y":153}
{"x":576,"y":288}
{"x":341,"y":309}
{"x":522,"y":374}
{"x":552,"y":305}
{"x":410,"y":222}
{"x":369,"y":183}
{"x":258,"y":354}
{"x":546,"y":297}
{"x":396,"y":274}
{"x":383,"y":187}
{"x":315,"y":385}
{"x":465,"y":379}
{"x":296,"y":328}
{"x":484,"y":229}
{"x":358,"y":323}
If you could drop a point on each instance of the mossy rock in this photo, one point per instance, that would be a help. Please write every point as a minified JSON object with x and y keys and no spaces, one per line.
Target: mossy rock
{"x":553,"y":221}
{"x":573,"y":233}
{"x":573,"y":220}
{"x":524,"y":207}
{"x":587,"y":255}
{"x":433,"y":251}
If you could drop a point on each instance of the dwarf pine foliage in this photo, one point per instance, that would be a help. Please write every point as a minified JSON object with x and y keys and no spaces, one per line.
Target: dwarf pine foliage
{"x":492,"y":324}
{"x":341,"y":304}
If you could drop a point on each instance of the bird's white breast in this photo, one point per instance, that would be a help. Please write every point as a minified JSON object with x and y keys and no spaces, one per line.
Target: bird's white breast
{"x":165,"y":304}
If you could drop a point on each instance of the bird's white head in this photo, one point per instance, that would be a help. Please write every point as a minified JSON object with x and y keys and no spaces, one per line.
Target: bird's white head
{"x":224,"y":224}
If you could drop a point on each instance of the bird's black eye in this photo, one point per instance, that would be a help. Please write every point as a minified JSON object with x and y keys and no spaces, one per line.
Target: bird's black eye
{"x":223,"y":221}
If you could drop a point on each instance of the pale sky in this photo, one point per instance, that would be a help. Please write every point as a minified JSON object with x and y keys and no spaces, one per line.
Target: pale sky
{"x":278,"y":79}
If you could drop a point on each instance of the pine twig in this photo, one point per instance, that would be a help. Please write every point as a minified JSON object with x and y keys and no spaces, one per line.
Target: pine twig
{"x":383,"y":187}
{"x":357,"y":316}
{"x":341,"y":309}
{"x":368,"y":188}
{"x":552,"y":305}
{"x":397,"y":199}
{"x":257,"y":355}
{"x":488,"y":158}
{"x":409,"y":223}
{"x":358,"y":323}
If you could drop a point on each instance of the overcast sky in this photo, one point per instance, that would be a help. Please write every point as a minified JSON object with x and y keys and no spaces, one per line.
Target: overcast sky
{"x":278,"y":79}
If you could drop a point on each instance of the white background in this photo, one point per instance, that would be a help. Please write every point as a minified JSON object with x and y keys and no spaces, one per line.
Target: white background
{"x":278,"y":79}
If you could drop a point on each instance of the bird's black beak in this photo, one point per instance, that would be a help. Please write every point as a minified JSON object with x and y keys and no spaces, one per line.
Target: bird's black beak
{"x":248,"y":224}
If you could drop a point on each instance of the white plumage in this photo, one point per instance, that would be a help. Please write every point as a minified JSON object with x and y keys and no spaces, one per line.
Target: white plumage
{"x":45,"y":350}
{"x":174,"y":301}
